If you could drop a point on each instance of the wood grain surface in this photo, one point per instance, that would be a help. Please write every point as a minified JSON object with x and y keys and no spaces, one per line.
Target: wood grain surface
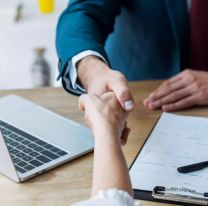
{"x":71,"y":182}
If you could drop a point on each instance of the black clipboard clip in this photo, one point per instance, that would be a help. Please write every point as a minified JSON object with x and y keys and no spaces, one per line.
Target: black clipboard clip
{"x":183,"y":195}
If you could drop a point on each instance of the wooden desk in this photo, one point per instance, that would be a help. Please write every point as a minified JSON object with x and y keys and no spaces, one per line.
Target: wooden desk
{"x":72,"y":182}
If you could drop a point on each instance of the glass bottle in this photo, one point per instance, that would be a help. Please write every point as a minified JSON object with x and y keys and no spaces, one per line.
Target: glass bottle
{"x":41,"y":74}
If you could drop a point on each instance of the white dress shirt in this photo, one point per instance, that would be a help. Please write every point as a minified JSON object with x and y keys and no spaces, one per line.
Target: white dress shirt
{"x":112,"y":197}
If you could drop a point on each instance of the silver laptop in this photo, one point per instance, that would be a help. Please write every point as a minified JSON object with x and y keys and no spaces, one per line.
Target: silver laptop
{"x":34,"y":140}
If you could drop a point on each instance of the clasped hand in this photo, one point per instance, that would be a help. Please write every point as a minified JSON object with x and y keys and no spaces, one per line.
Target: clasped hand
{"x":104,"y":115}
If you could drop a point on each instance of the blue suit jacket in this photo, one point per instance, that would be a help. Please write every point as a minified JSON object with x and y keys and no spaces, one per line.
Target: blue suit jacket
{"x":144,"y":39}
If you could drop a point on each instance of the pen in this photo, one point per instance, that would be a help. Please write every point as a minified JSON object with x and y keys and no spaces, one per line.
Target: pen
{"x":193,"y":167}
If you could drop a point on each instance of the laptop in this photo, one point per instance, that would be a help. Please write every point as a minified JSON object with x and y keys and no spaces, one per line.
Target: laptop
{"x":34,"y":140}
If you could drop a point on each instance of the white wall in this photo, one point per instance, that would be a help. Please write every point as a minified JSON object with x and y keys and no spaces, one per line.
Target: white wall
{"x":18,"y":40}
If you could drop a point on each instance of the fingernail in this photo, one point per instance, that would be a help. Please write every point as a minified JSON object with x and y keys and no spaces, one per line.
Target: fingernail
{"x":151,"y":106}
{"x":165,"y":108}
{"x":151,"y":96}
{"x":129,"y":105}
{"x":145,"y":102}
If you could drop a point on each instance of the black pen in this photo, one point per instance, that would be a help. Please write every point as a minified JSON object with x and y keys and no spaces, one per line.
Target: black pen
{"x":193,"y":167}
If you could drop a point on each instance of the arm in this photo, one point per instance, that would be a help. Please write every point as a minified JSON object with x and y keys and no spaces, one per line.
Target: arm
{"x":107,"y":120}
{"x":109,"y":157}
{"x":85,"y":25}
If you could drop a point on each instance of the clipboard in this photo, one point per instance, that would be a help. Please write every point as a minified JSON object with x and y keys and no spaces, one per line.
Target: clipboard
{"x":172,"y":194}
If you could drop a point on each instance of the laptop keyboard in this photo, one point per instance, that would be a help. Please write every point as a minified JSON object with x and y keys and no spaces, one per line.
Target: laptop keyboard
{"x":27,"y":151}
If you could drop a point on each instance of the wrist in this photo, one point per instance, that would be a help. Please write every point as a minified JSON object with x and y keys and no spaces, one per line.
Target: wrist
{"x":106,"y":135}
{"x":89,"y":67}
{"x":107,"y":140}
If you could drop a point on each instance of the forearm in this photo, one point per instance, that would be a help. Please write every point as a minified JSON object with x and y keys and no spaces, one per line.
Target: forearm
{"x":110,"y":168}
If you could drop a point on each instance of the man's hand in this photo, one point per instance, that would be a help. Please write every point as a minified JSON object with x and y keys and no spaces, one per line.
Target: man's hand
{"x":181,"y":91}
{"x":98,"y":79}
{"x":105,"y":116}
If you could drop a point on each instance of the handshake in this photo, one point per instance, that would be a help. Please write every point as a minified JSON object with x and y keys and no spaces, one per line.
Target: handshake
{"x":105,"y":116}
{"x":184,"y":90}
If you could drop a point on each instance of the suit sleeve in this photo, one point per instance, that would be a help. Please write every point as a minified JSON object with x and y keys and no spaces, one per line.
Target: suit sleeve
{"x":85,"y":25}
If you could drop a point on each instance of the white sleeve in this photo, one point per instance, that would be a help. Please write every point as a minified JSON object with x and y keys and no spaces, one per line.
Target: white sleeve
{"x":112,"y":197}
{"x":73,"y":69}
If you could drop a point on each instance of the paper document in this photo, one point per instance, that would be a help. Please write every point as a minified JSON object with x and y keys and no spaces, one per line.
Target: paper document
{"x":175,"y":141}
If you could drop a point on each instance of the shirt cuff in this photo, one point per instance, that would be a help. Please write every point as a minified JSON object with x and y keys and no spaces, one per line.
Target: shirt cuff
{"x":72,"y":68}
{"x":118,"y":196}
{"x":111,"y":197}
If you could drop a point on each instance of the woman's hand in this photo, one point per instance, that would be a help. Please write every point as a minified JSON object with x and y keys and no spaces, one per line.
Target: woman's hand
{"x":104,"y":115}
{"x":181,"y":91}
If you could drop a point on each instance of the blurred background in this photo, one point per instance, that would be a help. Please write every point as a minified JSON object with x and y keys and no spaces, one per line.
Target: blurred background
{"x":27,"y":43}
